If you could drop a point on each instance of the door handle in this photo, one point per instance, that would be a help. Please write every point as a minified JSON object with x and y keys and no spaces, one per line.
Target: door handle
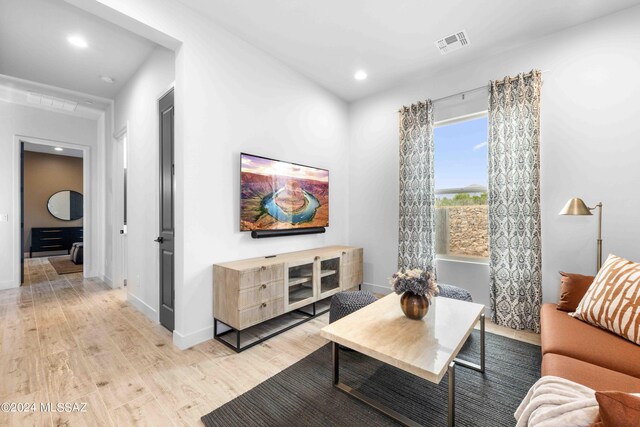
{"x":159,"y":239}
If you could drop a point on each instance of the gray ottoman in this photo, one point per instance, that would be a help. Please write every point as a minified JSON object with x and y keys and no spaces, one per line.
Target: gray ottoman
{"x":454,"y":292}
{"x":77,"y":253}
{"x":344,"y":303}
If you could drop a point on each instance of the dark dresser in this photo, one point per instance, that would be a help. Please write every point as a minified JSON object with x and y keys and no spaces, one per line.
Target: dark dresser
{"x":46,"y":239}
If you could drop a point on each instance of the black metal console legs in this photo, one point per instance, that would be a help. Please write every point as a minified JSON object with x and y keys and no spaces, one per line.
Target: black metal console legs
{"x":238,"y":338}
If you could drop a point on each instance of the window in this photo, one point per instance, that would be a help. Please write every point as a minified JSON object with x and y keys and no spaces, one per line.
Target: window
{"x":461,"y":174}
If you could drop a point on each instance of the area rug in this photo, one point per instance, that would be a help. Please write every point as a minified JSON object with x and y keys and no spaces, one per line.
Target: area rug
{"x":64,"y":265}
{"x":303,"y":394}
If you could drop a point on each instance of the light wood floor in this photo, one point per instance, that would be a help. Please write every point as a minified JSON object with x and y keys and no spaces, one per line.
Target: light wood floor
{"x":69,"y":339}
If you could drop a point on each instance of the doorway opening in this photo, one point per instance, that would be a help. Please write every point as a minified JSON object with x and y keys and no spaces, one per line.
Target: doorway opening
{"x":53,"y":205}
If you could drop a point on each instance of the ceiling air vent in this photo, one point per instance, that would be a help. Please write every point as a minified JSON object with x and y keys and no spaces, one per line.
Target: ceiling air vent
{"x":51,"y":101}
{"x":453,"y":42}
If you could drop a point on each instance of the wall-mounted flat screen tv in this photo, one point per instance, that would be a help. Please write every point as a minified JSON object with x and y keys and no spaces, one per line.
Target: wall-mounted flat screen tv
{"x":277,"y":195}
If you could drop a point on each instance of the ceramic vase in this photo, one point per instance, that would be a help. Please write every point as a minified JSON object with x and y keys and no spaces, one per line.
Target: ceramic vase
{"x":414,"y":306}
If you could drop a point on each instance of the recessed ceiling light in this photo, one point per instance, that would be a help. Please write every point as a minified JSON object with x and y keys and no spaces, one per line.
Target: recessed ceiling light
{"x":360,"y":75}
{"x":59,"y":149}
{"x":107,"y":79}
{"x":78,"y":41}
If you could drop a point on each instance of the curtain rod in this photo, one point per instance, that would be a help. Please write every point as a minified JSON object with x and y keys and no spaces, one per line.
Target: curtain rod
{"x":499,"y":82}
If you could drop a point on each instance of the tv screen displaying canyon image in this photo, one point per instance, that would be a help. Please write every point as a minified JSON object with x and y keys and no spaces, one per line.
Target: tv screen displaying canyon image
{"x":282,"y":195}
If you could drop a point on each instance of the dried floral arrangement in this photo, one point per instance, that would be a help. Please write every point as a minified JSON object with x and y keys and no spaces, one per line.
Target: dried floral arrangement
{"x":417,"y":281}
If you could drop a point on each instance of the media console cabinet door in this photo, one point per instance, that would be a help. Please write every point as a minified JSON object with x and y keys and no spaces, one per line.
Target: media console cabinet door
{"x":299,"y":283}
{"x":329,"y":272}
{"x":352,"y":268}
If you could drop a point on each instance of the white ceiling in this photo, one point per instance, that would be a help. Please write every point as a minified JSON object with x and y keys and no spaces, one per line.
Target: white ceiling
{"x":391,"y":39}
{"x":48,"y":149}
{"x":33,"y":46}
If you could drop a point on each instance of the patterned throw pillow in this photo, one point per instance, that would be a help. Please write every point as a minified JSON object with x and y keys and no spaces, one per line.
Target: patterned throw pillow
{"x":613,"y":300}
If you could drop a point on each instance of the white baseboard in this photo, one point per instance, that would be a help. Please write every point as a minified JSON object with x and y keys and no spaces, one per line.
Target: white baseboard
{"x":143,"y":307}
{"x":376,"y":289}
{"x":92,"y":273}
{"x":8,"y":284}
{"x":107,"y":280}
{"x":184,"y":341}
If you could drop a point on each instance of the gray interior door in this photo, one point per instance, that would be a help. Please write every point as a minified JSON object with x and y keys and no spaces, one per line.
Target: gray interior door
{"x":22,"y":242}
{"x":166,"y":235}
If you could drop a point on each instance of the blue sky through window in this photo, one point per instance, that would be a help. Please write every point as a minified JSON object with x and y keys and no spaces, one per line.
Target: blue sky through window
{"x":461,"y":154}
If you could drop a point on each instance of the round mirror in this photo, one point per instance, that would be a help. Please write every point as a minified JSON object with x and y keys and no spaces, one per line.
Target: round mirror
{"x":66,"y":205}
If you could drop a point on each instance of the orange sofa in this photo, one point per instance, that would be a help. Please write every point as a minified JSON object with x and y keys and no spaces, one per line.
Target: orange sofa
{"x":586,"y":354}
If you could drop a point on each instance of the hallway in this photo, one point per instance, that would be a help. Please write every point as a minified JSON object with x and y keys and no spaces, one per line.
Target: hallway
{"x":67,"y":339}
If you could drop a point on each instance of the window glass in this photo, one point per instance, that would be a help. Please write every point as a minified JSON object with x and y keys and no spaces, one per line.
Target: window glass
{"x":461,"y":188}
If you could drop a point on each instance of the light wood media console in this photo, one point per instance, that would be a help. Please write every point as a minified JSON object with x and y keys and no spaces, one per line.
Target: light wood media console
{"x":249,"y":293}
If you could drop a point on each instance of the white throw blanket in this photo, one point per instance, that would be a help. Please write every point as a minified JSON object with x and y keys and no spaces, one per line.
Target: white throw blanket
{"x":554,"y":401}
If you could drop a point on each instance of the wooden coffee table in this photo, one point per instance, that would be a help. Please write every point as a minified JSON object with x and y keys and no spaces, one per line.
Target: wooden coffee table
{"x":426,"y":348}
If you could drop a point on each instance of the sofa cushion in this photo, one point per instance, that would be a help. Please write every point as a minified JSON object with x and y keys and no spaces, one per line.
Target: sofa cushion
{"x":572,"y":289}
{"x":618,"y":409}
{"x":613,"y":300}
{"x":562,"y":334}
{"x":587,"y":374}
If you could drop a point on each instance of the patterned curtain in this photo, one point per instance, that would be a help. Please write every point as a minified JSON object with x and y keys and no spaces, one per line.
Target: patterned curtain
{"x":514,"y":201}
{"x":416,"y":248}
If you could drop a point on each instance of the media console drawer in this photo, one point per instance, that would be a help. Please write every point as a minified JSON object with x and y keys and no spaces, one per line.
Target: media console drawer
{"x":261,"y":293}
{"x":261,"y":312}
{"x":260,"y":275}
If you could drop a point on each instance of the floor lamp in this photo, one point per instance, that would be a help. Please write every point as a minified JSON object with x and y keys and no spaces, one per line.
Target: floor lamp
{"x":576,"y":206}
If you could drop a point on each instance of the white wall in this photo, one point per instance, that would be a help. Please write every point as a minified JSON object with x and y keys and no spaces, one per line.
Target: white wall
{"x":590,"y":149}
{"x":19,"y":120}
{"x":136,"y":107}
{"x":231,"y":97}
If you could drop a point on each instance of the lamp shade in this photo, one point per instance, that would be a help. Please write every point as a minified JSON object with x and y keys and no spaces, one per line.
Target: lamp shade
{"x":575,"y":206}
